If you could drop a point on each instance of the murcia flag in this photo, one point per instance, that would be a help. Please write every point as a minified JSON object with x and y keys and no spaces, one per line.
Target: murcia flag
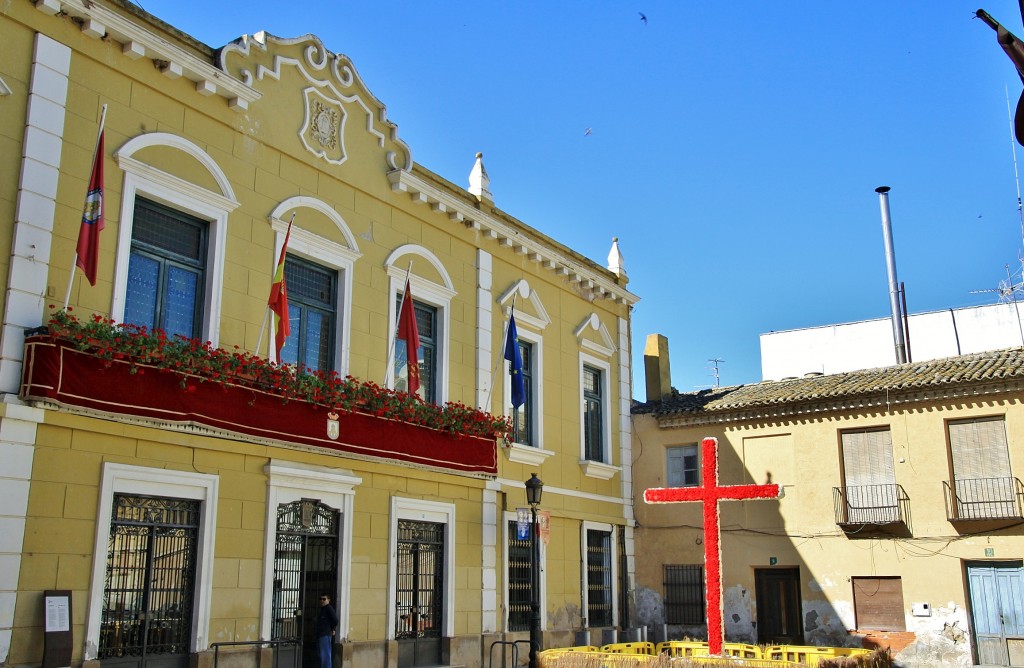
{"x":92,"y":218}
{"x":408,"y":332}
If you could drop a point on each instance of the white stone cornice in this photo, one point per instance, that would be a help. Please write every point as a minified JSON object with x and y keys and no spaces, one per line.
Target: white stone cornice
{"x":99,"y":21}
{"x":491,"y":227}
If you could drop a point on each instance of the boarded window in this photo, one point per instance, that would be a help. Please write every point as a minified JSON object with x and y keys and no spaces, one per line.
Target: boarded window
{"x":878,"y":603}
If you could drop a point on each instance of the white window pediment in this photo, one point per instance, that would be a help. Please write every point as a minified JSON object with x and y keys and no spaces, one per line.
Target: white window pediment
{"x":594,"y":337}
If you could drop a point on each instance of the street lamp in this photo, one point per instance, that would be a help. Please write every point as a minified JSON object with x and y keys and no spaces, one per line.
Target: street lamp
{"x":534,"y":488}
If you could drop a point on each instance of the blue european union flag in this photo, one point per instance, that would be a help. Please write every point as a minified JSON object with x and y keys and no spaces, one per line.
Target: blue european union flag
{"x":513,"y":355}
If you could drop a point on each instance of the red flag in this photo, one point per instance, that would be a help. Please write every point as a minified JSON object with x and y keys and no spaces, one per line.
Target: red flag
{"x":408,"y":332}
{"x":92,"y":218}
{"x":278,"y":301}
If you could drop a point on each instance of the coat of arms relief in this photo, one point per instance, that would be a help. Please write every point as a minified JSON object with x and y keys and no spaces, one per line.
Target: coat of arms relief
{"x":323,"y":127}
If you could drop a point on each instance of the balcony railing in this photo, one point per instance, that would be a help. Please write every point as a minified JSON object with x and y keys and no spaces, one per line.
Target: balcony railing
{"x":871,"y":504}
{"x":970,"y":499}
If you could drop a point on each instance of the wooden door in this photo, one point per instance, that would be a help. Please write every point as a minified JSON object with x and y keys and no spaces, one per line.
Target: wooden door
{"x":778,"y":606}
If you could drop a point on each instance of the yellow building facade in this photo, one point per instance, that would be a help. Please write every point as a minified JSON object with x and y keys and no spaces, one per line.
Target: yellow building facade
{"x":899,"y":521}
{"x":170,"y":519}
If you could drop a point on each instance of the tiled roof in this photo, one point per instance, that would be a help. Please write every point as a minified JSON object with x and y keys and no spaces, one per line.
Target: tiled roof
{"x":966,"y":372}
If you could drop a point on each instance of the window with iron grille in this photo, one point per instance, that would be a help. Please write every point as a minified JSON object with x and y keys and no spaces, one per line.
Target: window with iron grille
{"x":522,"y":417}
{"x":682,"y":466}
{"x":519,"y":579}
{"x":593,"y":414}
{"x":150,"y":577}
{"x":599,"y":578}
{"x":684,"y":594}
{"x":313,"y":314}
{"x":166,"y":270}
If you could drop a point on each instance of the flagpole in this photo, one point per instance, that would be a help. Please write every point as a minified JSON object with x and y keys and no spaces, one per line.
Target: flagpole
{"x":266,"y":311}
{"x":390,"y":370}
{"x":74,"y":258}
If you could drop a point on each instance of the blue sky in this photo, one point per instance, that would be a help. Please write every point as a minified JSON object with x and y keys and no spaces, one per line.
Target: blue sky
{"x":735,"y":146}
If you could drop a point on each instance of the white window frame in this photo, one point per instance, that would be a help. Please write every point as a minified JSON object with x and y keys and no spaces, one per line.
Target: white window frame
{"x":292,"y":481}
{"x":668,"y":469}
{"x":511,"y":516}
{"x":536,"y":342}
{"x":127,"y":479}
{"x":142,"y":179}
{"x":606,"y":469}
{"x":597,"y":526}
{"x":530,"y":327}
{"x":422,"y":511}
{"x":328,"y":254}
{"x":438,"y":295}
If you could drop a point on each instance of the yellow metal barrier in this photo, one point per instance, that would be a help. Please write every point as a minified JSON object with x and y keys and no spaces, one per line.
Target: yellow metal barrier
{"x":682,"y":648}
{"x":809,"y":655}
{"x":630,"y":648}
{"x":741,"y":650}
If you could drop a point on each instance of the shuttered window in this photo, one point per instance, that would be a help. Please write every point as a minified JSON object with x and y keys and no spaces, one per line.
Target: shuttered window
{"x":982,"y":480}
{"x":868,"y":476}
{"x":878,"y":604}
{"x":979,"y":448}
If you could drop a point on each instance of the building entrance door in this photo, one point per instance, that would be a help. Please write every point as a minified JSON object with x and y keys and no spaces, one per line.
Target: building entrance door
{"x":305,"y":567}
{"x":419,"y":609}
{"x":778,"y":606}
{"x":148,"y":597}
{"x":997,"y":611}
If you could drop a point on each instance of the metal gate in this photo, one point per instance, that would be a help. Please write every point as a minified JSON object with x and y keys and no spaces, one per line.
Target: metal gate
{"x":305,"y":566}
{"x":419,"y":609}
{"x":150,"y":581}
{"x":997,"y":612}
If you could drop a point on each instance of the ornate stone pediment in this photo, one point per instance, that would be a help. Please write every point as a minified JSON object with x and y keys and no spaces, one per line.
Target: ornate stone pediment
{"x":331,"y":110}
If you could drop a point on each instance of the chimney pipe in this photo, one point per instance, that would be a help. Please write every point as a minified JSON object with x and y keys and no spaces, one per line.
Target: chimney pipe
{"x":890,"y":265}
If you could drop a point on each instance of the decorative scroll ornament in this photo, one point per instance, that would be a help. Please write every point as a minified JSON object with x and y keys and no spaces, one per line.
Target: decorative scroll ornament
{"x":333,"y":426}
{"x":322,"y":130}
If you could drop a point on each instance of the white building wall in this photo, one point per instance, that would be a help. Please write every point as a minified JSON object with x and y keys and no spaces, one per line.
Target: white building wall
{"x":869,"y":344}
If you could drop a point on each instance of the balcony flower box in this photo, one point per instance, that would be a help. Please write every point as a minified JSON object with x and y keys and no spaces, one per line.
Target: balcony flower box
{"x":237,"y":397}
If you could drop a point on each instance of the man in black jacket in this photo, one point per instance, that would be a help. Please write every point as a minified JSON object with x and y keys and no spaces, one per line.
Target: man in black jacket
{"x":326,"y":623}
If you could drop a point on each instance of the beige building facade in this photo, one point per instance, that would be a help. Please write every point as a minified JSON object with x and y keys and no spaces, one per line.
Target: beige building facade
{"x":182,"y":515}
{"x":899,"y":522}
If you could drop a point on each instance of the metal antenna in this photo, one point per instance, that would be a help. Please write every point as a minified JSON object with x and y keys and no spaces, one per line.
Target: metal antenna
{"x":1007,"y":289}
{"x":1013,"y":148}
{"x":715,"y":362}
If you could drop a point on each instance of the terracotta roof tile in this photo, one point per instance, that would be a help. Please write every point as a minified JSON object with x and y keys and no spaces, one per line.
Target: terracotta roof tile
{"x":941,"y":374}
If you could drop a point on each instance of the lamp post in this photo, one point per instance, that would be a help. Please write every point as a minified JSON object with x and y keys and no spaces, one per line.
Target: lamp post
{"x":534,"y":488}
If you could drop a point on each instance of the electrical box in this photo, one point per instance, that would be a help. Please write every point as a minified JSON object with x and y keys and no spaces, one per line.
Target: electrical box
{"x":921,"y":609}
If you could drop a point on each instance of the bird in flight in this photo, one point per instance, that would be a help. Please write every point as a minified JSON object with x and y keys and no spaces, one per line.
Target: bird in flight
{"x":588,"y":132}
{"x":643,"y":17}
